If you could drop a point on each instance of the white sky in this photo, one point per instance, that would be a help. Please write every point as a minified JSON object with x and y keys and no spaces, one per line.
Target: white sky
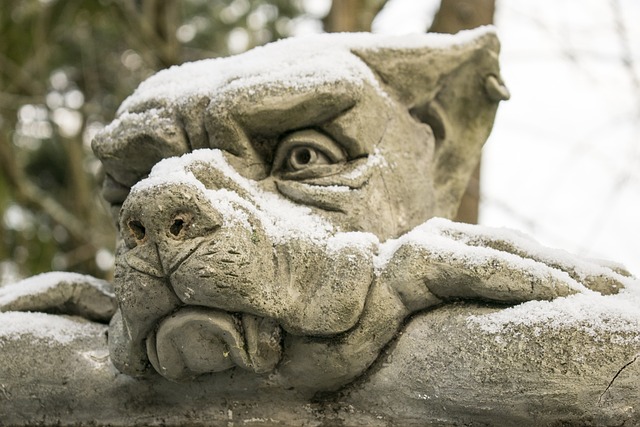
{"x":563,"y":162}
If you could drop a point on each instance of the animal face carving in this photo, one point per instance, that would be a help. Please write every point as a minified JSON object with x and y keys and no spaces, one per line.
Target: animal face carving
{"x":259,"y":247}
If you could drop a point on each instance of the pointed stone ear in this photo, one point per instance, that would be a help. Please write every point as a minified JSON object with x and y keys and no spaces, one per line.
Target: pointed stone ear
{"x":453,"y":84}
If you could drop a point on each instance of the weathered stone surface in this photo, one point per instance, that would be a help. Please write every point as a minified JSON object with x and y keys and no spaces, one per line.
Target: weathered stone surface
{"x":282,"y":263}
{"x":442,"y":370}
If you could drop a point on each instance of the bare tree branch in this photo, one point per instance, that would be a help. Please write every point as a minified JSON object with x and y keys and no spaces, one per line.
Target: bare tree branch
{"x":151,"y":23}
{"x":19,"y":76}
{"x":31,"y":194}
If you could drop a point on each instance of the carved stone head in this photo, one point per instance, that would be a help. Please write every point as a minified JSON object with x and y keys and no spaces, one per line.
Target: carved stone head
{"x":255,"y":248}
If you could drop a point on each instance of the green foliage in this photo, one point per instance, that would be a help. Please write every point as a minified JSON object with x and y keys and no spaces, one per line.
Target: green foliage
{"x":65,"y":66}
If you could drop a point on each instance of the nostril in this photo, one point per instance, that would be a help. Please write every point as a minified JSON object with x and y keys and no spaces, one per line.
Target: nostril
{"x":180,"y":224}
{"x":137,"y":229}
{"x":177,"y":226}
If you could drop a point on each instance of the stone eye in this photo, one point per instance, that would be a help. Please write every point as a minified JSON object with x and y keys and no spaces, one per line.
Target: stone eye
{"x":307,"y":152}
{"x":304,"y":156}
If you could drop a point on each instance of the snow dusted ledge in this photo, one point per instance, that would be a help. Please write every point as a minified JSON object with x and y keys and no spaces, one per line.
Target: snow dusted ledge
{"x":460,"y":363}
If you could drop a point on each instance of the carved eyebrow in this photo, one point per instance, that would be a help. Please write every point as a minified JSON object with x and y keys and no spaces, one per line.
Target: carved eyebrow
{"x":276,"y":114}
{"x":232,"y":124}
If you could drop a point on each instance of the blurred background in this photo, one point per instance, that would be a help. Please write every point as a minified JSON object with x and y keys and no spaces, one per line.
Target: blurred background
{"x":562,"y":164}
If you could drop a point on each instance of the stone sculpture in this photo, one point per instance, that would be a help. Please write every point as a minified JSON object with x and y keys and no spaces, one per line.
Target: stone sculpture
{"x":281,"y":259}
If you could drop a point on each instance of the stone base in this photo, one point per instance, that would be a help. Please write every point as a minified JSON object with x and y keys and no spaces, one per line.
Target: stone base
{"x":442,"y":370}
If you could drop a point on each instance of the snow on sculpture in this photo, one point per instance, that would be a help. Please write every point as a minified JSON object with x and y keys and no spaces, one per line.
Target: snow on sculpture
{"x":278,"y":222}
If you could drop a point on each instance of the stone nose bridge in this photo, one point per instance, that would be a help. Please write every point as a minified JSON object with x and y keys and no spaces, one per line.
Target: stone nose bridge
{"x":163,"y":224}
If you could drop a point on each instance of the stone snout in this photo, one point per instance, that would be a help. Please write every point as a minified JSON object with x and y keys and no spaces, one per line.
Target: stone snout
{"x":162,"y":227}
{"x":179,"y":288}
{"x":205,"y":283}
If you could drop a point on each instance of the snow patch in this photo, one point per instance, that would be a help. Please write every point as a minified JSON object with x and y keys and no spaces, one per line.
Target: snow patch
{"x":298,"y":63}
{"x":363,"y":242}
{"x":52,"y":329}
{"x":148,"y":119}
{"x":432,"y":237}
{"x":374,"y":160}
{"x":476,"y":235}
{"x":594,"y":313}
{"x":282,"y":220}
{"x":42,"y":282}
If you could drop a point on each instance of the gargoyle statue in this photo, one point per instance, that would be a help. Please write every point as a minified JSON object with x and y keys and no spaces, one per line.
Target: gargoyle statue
{"x":260,"y":249}
{"x":282,"y":211}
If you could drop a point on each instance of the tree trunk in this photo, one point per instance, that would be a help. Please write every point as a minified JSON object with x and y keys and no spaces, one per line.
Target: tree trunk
{"x":352,"y":15}
{"x":453,"y":16}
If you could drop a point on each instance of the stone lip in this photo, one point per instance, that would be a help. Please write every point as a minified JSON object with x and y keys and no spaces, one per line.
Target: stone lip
{"x":194,"y":341}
